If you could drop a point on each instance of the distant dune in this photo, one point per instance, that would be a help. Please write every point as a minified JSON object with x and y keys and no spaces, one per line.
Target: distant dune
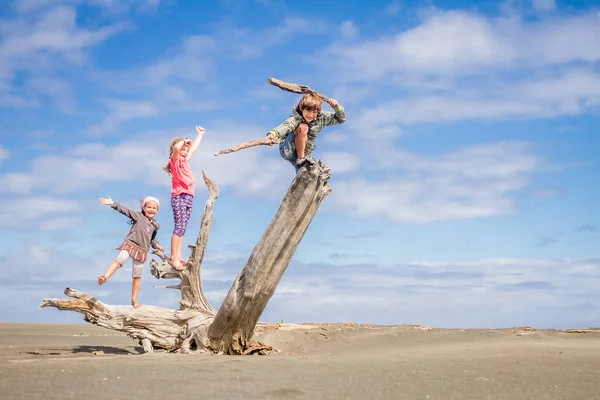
{"x":314,"y":361}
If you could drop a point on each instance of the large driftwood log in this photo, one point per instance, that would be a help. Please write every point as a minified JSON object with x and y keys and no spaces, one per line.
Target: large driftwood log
{"x":197,"y":326}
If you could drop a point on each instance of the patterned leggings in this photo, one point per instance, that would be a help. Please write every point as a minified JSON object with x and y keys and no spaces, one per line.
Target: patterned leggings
{"x":182,"y":211}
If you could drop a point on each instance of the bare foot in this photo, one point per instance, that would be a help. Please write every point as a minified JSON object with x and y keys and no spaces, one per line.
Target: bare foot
{"x":183,"y":262}
{"x":176,"y":264}
{"x":135,"y":304}
{"x":101,"y":280}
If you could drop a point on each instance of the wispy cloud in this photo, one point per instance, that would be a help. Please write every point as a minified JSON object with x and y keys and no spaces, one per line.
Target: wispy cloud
{"x":44,"y":43}
{"x":140,"y":159}
{"x":4,"y":154}
{"x":543,"y":6}
{"x":17,"y":212}
{"x":459,"y":65}
{"x":476,"y":181}
{"x":569,"y":93}
{"x":463,"y":43}
{"x":116,"y":6}
{"x":587,"y":228}
{"x":122,"y":111}
{"x":560,"y":291}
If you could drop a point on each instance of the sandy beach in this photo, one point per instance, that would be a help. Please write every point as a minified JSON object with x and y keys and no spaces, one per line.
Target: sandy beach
{"x":315,"y":361}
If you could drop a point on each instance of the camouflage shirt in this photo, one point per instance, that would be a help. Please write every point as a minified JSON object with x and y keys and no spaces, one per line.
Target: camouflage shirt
{"x":325,"y":118}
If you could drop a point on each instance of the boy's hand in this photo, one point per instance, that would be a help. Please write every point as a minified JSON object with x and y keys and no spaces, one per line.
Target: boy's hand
{"x":187,"y":142}
{"x":200,"y":130}
{"x":107,"y":201}
{"x":160,"y":248}
{"x":273,"y":137}
{"x":333,"y":103}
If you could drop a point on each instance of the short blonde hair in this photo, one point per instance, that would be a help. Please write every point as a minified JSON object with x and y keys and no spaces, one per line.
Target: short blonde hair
{"x":311,"y":102}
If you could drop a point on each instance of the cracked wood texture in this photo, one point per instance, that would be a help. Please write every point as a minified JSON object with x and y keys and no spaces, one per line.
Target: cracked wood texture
{"x":234,"y":324}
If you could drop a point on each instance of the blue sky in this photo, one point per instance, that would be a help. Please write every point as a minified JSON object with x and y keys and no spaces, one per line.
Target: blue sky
{"x":465,"y":180}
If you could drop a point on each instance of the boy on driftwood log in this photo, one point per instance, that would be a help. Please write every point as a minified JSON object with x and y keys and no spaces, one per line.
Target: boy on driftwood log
{"x":298,"y":133}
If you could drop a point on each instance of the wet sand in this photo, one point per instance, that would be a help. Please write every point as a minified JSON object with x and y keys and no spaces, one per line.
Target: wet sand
{"x":327,"y":361}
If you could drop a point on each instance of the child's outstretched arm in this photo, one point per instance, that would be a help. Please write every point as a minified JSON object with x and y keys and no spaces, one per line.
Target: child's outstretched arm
{"x":134,"y":215}
{"x":284,"y":128}
{"x":194,"y":146}
{"x":107,"y":201}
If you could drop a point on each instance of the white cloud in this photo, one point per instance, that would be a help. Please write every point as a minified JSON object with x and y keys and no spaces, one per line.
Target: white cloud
{"x":571,"y":93}
{"x":55,"y":33}
{"x":477,"y":181}
{"x":341,"y":162}
{"x":18,"y":212}
{"x":479,"y":293}
{"x":122,"y":111}
{"x":243,"y":44}
{"x":192,"y":62}
{"x":141,"y":158}
{"x":57,"y":90}
{"x":543,"y":5}
{"x":125,"y":5}
{"x":348,"y":30}
{"x":463,"y":43}
{"x":4,"y":154}
{"x":394,"y":8}
{"x":27,"y":6}
{"x":60,"y":224}
{"x":493,"y":292}
{"x":39,"y":46}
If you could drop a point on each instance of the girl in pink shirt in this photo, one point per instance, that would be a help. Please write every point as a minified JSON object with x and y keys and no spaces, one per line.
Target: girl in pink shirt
{"x":182,"y":190}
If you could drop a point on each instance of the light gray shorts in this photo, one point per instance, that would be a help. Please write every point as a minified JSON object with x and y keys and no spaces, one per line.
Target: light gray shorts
{"x":137,"y":266}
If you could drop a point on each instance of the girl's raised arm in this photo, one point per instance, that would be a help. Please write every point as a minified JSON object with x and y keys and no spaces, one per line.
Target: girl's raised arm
{"x":176,"y":149}
{"x":194,"y":146}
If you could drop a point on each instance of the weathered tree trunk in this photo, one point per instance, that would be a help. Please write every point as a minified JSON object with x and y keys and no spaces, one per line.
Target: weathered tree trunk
{"x":234,"y":324}
{"x":197,"y":326}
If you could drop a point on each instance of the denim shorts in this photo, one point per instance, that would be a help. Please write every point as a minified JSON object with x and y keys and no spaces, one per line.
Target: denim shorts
{"x":287,"y":149}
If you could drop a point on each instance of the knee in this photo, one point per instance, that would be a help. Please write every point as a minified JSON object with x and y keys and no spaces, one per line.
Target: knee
{"x":301,"y":129}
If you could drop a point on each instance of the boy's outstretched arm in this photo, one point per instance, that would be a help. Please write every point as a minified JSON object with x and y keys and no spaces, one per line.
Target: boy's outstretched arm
{"x":284,"y":128}
{"x":196,"y":143}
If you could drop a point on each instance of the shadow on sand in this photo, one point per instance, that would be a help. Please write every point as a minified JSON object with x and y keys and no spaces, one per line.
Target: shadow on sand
{"x":87,"y":349}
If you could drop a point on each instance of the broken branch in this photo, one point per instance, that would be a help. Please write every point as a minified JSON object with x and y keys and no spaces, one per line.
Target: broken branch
{"x":295,"y":88}
{"x":260,"y":142}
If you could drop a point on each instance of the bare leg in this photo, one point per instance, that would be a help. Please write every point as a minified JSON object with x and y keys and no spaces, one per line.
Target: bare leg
{"x":135,"y":290}
{"x":301,"y":137}
{"x":176,"y":242}
{"x":108,"y":273}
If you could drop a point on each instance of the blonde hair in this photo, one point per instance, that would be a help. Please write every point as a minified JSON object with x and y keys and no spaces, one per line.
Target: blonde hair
{"x":311,"y":102}
{"x":167,"y":167}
